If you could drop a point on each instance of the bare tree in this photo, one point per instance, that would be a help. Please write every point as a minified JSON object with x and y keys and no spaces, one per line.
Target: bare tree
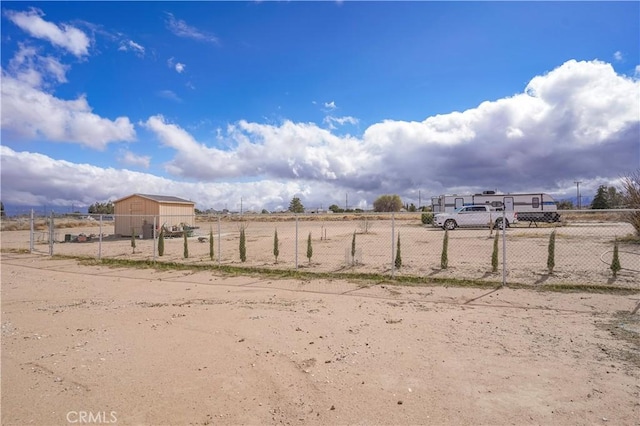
{"x":631,"y":185}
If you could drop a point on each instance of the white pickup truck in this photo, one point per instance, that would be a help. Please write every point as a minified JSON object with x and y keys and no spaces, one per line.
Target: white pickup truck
{"x":477,"y":216}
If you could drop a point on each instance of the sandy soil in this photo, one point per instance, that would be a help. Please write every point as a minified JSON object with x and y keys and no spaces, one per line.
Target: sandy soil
{"x":139,"y":346}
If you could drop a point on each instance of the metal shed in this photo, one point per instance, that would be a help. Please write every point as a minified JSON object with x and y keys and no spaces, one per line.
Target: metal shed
{"x":135,"y":213}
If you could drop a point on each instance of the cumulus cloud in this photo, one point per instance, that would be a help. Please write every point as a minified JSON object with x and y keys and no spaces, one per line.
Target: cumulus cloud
{"x":290,"y":150}
{"x":65,"y":36}
{"x":30,"y":112}
{"x":129,"y":158}
{"x":618,"y":56}
{"x":36,"y":70}
{"x":577,"y":118}
{"x":63,"y":183}
{"x":578,"y":121}
{"x":341,"y":121}
{"x":182,"y":29}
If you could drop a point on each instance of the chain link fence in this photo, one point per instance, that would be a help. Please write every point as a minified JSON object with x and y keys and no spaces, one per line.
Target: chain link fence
{"x":580,"y":253}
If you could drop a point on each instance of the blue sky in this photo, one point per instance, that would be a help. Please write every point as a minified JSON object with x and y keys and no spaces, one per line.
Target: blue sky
{"x":264,"y":101}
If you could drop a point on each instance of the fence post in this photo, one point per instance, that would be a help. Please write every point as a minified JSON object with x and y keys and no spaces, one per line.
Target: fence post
{"x":296,"y":250}
{"x":51,"y":234}
{"x":100,"y":241}
{"x":219,"y":238}
{"x":31,"y":231}
{"x":393,"y":237}
{"x":504,"y":248}
{"x":154,"y":238}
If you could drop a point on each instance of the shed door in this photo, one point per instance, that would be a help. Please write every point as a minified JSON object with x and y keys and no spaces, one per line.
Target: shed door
{"x":135,"y":220}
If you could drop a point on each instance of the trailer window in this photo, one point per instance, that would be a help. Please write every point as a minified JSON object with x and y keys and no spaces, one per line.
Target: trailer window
{"x":535,"y":202}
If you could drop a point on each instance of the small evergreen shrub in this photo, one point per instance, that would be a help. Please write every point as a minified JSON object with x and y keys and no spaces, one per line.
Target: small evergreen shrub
{"x":211,"y":252}
{"x":444,"y":258}
{"x":494,"y":254}
{"x":615,"y":262}
{"x":243,"y":246}
{"x":309,"y":248}
{"x":398,"y":261}
{"x":276,"y":245}
{"x":353,"y":249}
{"x":133,"y":241}
{"x":186,"y":246}
{"x":161,"y":242}
{"x":551,"y":255}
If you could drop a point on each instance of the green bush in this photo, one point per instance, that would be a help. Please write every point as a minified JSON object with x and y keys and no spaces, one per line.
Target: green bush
{"x":427,"y":218}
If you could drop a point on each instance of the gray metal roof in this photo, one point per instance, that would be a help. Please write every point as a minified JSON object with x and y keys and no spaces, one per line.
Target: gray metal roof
{"x":160,"y":198}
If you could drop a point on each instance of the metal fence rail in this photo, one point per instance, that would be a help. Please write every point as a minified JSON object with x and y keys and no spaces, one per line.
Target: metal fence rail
{"x":359,"y":243}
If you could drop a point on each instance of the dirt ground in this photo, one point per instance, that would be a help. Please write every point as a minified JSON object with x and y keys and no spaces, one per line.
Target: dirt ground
{"x":140,"y":346}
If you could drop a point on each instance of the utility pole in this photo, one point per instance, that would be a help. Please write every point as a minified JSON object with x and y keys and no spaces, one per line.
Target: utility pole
{"x":578,"y":193}
{"x":419,"y":199}
{"x":346,"y":201}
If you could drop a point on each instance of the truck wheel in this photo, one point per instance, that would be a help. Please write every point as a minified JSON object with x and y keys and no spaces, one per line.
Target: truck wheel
{"x":499,"y":223}
{"x":450,"y":225}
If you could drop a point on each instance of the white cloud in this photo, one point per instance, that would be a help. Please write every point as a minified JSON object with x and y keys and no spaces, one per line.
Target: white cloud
{"x":29,"y":113}
{"x":130,"y":45}
{"x":66,"y":36}
{"x":330,"y":105}
{"x":331,"y":121}
{"x":580,"y":110}
{"x":129,"y":158}
{"x":36,"y":70}
{"x":179,"y":67}
{"x":182,"y":29}
{"x":577,"y":121}
{"x":59,"y":182}
{"x":618,"y":56}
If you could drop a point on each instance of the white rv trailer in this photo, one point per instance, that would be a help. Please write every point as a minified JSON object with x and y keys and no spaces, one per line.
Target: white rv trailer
{"x":531,"y":207}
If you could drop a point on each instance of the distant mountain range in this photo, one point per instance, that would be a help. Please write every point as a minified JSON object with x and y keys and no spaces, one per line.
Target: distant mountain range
{"x":10,"y":210}
{"x":46,"y":210}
